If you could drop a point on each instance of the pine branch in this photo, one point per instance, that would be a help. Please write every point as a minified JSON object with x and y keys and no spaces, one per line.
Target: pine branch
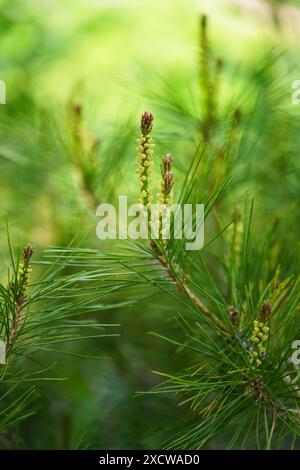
{"x":173,"y":271}
{"x":38,"y":317}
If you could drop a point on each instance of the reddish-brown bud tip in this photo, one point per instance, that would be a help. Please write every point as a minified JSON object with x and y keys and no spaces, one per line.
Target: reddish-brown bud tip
{"x":166,"y":164}
{"x":167,"y":160}
{"x":27,"y":253}
{"x":265,"y":310}
{"x":146,"y":123}
{"x":233,"y":314}
{"x":169,"y":181}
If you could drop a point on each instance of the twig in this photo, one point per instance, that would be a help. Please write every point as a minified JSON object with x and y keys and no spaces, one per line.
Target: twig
{"x":183,"y":287}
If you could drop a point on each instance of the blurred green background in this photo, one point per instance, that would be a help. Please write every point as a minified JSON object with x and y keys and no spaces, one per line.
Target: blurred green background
{"x":118,"y":58}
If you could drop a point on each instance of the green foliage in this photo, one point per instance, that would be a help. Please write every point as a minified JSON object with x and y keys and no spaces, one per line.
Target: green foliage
{"x":36,"y":318}
{"x":222,"y":320}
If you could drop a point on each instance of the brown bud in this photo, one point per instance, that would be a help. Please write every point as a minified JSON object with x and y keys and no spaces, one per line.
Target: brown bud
{"x":166,"y":164}
{"x":265,"y":311}
{"x":146,"y":123}
{"x":169,"y":181}
{"x":233,"y":314}
{"x":153,"y":246}
{"x":27,"y":253}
